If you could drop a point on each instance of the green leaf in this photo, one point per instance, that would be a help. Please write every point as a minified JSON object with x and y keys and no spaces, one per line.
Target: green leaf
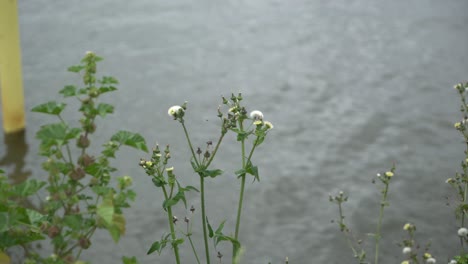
{"x":210,"y":229}
{"x":240,"y":173}
{"x":168,"y":203}
{"x":104,"y":109}
{"x":34,"y":216}
{"x":178,"y":241}
{"x":222,"y":237}
{"x":242,"y":135}
{"x":158,"y":245}
{"x":51,"y":108}
{"x":189,"y":187}
{"x":252,"y":170}
{"x":219,"y":230}
{"x":54,"y":133}
{"x":130,"y":139}
{"x":4,"y":221}
{"x":212,"y":173}
{"x":128,"y":260}
{"x":118,"y":227}
{"x":106,"y":89}
{"x":69,"y":90}
{"x":109,"y":80}
{"x":105,"y":210}
{"x":73,"y":133}
{"x":73,"y":221}
{"x":28,"y":187}
{"x":75,"y":68}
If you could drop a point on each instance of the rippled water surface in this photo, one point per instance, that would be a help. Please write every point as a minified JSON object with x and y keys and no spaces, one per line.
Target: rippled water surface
{"x":351,"y":87}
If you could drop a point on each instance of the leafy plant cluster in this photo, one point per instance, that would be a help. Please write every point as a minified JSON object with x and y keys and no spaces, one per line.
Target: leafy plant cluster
{"x":83,"y":195}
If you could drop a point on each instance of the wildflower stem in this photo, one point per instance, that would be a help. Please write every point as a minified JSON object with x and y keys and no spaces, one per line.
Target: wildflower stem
{"x":171,"y":225}
{"x":190,"y":143}
{"x":241,"y":194}
{"x":215,"y":149}
{"x":193,"y":248}
{"x":205,"y":236}
{"x":379,"y":225}
{"x":202,"y":193}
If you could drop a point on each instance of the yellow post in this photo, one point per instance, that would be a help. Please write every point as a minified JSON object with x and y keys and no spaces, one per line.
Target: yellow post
{"x":11,"y":83}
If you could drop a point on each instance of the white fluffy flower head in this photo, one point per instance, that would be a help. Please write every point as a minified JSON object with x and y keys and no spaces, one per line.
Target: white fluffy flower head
{"x":462,"y":232}
{"x":173,"y":110}
{"x":406,"y":250}
{"x":256,"y":115}
{"x":430,"y":261}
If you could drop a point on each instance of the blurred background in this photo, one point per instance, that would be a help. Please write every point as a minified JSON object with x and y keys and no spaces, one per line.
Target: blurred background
{"x":351,"y":86}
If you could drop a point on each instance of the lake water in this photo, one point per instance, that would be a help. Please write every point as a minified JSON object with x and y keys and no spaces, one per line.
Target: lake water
{"x":352,"y":86}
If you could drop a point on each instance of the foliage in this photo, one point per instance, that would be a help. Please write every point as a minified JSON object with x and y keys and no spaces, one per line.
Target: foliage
{"x":82,"y":194}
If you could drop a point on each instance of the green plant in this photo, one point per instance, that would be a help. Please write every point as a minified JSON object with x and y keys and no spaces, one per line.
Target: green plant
{"x":163,"y":177}
{"x":82,"y":194}
{"x":354,"y":243}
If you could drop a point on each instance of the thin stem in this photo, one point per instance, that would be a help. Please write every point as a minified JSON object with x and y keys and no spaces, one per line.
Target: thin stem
{"x":344,"y":229}
{"x":205,"y":235}
{"x":202,"y":196}
{"x":171,"y":225}
{"x":193,"y":248}
{"x":241,"y":194}
{"x":379,"y":225}
{"x":190,"y":143}
{"x":215,"y":149}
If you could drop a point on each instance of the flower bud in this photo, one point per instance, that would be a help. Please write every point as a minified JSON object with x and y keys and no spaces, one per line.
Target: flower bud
{"x":82,"y":142}
{"x":53,"y":231}
{"x":84,"y":242}
{"x":77,"y":174}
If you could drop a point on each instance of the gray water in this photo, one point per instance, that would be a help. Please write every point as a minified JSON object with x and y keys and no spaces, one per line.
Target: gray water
{"x":351,"y":87}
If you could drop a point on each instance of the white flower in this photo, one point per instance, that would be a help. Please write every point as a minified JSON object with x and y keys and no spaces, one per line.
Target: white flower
{"x":462,"y":232}
{"x":430,"y":261}
{"x":452,"y":261}
{"x":256,"y":115}
{"x":406,"y":250}
{"x":174,"y":110}
{"x":268,"y":125}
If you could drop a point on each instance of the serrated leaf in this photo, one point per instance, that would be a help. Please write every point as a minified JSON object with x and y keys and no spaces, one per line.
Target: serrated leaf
{"x":109,"y":80}
{"x":75,"y":68}
{"x":74,"y":222}
{"x":28,"y":187}
{"x":34,"y":216}
{"x":104,"y":109}
{"x":105,"y":210}
{"x":130,"y":139}
{"x":106,"y":89}
{"x":55,"y":132}
{"x":73,"y":133}
{"x":69,"y":90}
{"x":51,"y":108}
